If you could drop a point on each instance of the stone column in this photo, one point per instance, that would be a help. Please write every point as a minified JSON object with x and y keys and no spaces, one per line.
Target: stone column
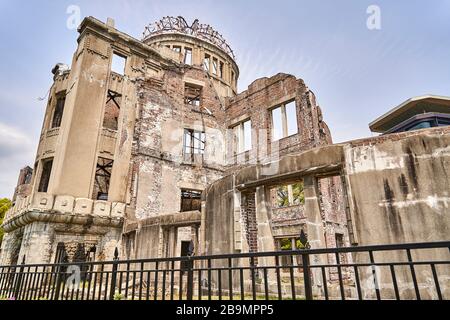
{"x":314,"y":229}
{"x":37,"y":243}
{"x":265,"y":237}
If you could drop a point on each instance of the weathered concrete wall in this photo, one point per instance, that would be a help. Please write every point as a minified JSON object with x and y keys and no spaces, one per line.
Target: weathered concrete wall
{"x":399,"y":187}
{"x":219,"y":217}
{"x":396,"y":190}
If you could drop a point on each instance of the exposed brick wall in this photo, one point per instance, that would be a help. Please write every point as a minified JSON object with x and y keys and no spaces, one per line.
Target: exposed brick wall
{"x":161,"y":110}
{"x":248,"y":210}
{"x":255,"y":104}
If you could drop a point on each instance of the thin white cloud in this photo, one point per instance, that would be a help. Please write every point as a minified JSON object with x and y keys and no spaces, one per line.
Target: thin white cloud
{"x":16,"y":151}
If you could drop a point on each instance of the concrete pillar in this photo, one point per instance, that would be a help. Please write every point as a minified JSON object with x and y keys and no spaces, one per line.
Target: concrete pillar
{"x":37,"y":243}
{"x":265,"y":237}
{"x":314,"y":229}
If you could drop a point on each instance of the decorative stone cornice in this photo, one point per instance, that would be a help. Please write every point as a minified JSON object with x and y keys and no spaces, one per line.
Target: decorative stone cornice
{"x":46,"y":207}
{"x":28,"y":217}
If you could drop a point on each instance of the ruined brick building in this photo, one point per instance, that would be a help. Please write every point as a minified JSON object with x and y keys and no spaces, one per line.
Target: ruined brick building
{"x":135,"y":131}
{"x":146,"y":146}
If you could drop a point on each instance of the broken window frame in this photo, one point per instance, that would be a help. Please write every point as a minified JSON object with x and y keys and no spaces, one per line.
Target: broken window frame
{"x":194,"y":142}
{"x":193,"y":95}
{"x":288,"y":196}
{"x":118,"y":63}
{"x":46,"y":172}
{"x":188,"y":199}
{"x":242,"y":136}
{"x":58,"y":111}
{"x":112,"y":95}
{"x":221,"y":67}
{"x":207,"y":62}
{"x":102,"y":170}
{"x":186,"y":55}
{"x":285,"y":114}
{"x":215,"y":66}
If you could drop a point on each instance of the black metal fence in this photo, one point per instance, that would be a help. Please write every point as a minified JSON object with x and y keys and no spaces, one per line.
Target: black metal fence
{"x":403,"y":271}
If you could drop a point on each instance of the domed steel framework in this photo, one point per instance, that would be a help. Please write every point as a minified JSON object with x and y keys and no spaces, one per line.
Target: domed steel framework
{"x":205,"y":32}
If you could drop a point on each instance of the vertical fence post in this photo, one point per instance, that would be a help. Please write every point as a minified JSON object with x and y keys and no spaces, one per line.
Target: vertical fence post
{"x":114,"y":274}
{"x":307,"y":276}
{"x":190,"y":278}
{"x":60,"y":275}
{"x":19,"y":279}
{"x":190,"y":271}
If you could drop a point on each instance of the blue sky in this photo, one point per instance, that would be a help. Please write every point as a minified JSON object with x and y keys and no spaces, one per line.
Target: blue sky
{"x":357,"y":74}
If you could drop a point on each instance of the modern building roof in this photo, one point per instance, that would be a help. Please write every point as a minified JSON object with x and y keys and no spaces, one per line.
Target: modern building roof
{"x":410,"y":108}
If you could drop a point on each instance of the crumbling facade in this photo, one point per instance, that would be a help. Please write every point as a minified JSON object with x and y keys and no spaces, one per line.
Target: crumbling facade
{"x":135,"y":131}
{"x":146,"y":146}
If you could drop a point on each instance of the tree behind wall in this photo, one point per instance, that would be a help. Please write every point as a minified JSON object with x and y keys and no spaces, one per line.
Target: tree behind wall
{"x":5,"y":204}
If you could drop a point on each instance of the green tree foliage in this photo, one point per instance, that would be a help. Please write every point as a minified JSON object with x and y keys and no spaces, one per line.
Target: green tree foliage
{"x":283,"y":195}
{"x":286,"y":244}
{"x":5,"y":204}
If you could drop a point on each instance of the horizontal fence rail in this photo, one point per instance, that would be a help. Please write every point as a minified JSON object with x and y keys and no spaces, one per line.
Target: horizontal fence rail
{"x":400,"y":271}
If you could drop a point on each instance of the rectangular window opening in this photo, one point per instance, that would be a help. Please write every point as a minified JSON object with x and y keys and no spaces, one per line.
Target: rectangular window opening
{"x":59,"y":110}
{"x":118,"y":64}
{"x":191,"y":200}
{"x":102,"y":179}
{"x":188,"y":56}
{"x":206,"y":62}
{"x":194,"y":142}
{"x":221,"y":65}
{"x":47,"y":165}
{"x":215,"y":66}
{"x":289,"y":195}
{"x":242,"y":136}
{"x":176,"y":48}
{"x":112,"y":110}
{"x":291,"y":116}
{"x":284,"y":121}
{"x":192,"y":95}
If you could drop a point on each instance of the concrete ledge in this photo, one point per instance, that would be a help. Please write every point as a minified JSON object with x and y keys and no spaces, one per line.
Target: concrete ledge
{"x":178,"y":219}
{"x":28,"y":217}
{"x":325,"y":159}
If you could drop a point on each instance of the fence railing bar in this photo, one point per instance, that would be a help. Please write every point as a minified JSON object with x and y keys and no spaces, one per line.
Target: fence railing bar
{"x":230,"y":278}
{"x":255,"y":277}
{"x":163,"y":289}
{"x":413,"y":274}
{"x":374,"y":274}
{"x":219,"y":282}
{"x":341,"y":281}
{"x":436,"y":281}
{"x":172,"y":280}
{"x":325,"y":283}
{"x":141,"y":280}
{"x":394,"y":282}
{"x":241,"y":278}
{"x":374,"y":248}
{"x":266,"y":284}
{"x":277,"y":270}
{"x":292,"y":280}
{"x":209,"y":279}
{"x":199,"y":280}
